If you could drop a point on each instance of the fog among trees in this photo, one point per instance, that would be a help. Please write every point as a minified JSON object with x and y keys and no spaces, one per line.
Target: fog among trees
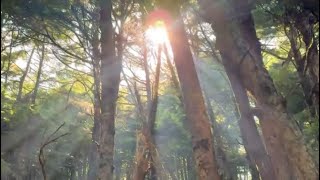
{"x":159,"y":90}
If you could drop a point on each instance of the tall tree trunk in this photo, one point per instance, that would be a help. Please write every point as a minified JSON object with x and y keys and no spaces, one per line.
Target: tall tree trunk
{"x":110,"y":79}
{"x":37,"y":84}
{"x":146,"y":156}
{"x":96,"y":67}
{"x":251,"y":138}
{"x":6,"y":73}
{"x":93,"y":155}
{"x":272,"y":104}
{"x":274,"y":120}
{"x":23,"y":77}
{"x":197,"y":119}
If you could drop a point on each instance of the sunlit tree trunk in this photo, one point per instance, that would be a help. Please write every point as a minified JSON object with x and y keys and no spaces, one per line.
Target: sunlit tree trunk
{"x":110,"y":79}
{"x":272,"y":104}
{"x":197,"y":119}
{"x":6,"y":73}
{"x":37,"y":84}
{"x":146,"y":156}
{"x":277,"y":129}
{"x":23,"y":77}
{"x":250,"y":135}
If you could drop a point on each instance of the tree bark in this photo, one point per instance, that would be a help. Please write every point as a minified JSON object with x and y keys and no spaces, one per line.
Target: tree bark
{"x":110,"y":79}
{"x":37,"y":84}
{"x":23,"y":77}
{"x":250,"y":135}
{"x":197,"y":119}
{"x":146,"y":156}
{"x":93,"y":155}
{"x":277,"y":129}
{"x":273,"y":105}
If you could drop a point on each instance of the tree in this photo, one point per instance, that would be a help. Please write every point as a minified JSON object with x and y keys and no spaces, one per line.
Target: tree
{"x":198,"y":122}
{"x":269,"y":101}
{"x":110,"y":79}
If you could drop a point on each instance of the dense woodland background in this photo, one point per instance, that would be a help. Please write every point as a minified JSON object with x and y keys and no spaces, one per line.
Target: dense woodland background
{"x":88,"y":91}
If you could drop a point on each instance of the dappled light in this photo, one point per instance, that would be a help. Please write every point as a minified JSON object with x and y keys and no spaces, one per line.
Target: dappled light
{"x":159,"y":90}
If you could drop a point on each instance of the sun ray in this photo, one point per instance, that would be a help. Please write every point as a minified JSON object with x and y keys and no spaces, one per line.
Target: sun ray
{"x":157,"y":34}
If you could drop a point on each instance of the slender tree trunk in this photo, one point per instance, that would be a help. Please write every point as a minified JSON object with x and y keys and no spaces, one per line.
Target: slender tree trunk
{"x":37,"y":84}
{"x":6,"y":73}
{"x":93,"y":154}
{"x":220,"y":154}
{"x":300,"y":64}
{"x":23,"y":77}
{"x":197,"y":119}
{"x":110,"y":79}
{"x":143,"y":154}
{"x":248,"y":128}
{"x":311,"y":69}
{"x":146,"y":156}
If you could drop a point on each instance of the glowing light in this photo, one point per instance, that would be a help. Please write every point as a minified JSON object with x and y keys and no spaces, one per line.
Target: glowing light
{"x":157,"y":33}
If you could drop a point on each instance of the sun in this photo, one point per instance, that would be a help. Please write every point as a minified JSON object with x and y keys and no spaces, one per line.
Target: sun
{"x":156,"y":34}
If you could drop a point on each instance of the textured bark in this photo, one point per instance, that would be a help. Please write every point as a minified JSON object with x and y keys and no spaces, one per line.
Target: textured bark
{"x":244,"y":54}
{"x":197,"y":119}
{"x":93,"y":156}
{"x":250,"y":135}
{"x":144,"y":152}
{"x":110,"y":79}
{"x":283,"y":168}
{"x":273,"y":104}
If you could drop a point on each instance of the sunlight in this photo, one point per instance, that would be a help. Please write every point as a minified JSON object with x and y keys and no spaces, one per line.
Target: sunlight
{"x":157,"y":34}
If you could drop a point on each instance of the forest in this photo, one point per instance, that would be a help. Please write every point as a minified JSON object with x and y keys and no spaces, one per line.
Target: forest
{"x":159,"y":89}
